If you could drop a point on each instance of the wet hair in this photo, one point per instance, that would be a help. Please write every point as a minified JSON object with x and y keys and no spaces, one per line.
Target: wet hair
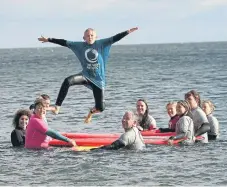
{"x":146,"y":113}
{"x":211,"y":105}
{"x":195,"y":94}
{"x":186,"y":105}
{"x":19,"y":113}
{"x":40,"y":102}
{"x":171,"y":103}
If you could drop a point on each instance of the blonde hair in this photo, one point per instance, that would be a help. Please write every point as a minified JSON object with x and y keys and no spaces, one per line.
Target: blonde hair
{"x":211,"y":105}
{"x":171,"y":103}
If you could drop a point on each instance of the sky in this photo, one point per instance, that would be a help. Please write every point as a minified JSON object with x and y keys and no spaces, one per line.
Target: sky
{"x":159,"y":21}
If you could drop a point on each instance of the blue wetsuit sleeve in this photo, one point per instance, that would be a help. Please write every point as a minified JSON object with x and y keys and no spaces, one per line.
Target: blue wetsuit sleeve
{"x":56,"y":135}
{"x":119,"y":36}
{"x":179,"y":136}
{"x":61,"y":42}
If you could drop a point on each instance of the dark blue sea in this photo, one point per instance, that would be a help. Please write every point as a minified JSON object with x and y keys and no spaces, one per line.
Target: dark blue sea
{"x":158,"y":73}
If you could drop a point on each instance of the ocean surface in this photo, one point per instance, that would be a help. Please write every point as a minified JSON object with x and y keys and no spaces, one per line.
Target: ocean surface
{"x":158,"y":73}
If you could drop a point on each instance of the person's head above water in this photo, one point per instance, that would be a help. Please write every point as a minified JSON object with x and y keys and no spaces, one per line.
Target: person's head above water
{"x":21,"y":119}
{"x":129,"y":120}
{"x":90,"y":36}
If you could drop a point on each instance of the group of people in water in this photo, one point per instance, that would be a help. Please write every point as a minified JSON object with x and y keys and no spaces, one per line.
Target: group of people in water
{"x":189,"y":118}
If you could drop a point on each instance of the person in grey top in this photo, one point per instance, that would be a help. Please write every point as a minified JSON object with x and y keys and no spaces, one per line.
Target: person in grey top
{"x":184,"y":126}
{"x":144,"y":119}
{"x":208,"y":108}
{"x":131,"y":138}
{"x":201,"y":124}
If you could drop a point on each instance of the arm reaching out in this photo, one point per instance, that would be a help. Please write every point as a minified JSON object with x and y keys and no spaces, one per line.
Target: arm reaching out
{"x":132,"y":30}
{"x":61,"y":42}
{"x":121,"y":35}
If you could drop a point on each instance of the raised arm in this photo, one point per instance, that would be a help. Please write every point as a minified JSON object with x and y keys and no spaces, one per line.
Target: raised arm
{"x":121,"y":35}
{"x":61,"y":42}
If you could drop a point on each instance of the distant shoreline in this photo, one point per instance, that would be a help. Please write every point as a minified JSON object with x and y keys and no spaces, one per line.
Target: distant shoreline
{"x":177,"y":43}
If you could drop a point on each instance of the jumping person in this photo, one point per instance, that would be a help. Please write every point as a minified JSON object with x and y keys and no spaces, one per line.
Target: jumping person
{"x":93,"y":55}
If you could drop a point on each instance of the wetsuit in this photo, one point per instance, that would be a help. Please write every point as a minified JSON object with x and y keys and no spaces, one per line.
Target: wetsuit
{"x":213,"y":134}
{"x":131,"y":139}
{"x":148,"y":124}
{"x":172,"y":124}
{"x":18,"y":137}
{"x":37,"y":132}
{"x":93,"y":59}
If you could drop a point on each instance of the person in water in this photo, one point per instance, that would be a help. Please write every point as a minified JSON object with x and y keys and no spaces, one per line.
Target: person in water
{"x":131,"y":139}
{"x":20,"y":122}
{"x":37,"y":129}
{"x":47,"y":99}
{"x":171,"y":110}
{"x":201,"y":124}
{"x":184,"y":126}
{"x":208,"y":108}
{"x":93,"y":55}
{"x":145,"y":121}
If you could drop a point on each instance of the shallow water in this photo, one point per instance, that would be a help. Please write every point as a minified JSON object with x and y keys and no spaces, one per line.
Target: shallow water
{"x":159,"y":73}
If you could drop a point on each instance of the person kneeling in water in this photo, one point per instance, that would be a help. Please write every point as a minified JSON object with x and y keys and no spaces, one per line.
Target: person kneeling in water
{"x":184,"y":126}
{"x":37,"y":130}
{"x":131,"y":139}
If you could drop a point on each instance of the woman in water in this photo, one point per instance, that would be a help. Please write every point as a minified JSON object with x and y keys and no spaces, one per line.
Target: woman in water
{"x":20,"y":122}
{"x":171,"y":110}
{"x":184,"y":126}
{"x":208,"y":108}
{"x":145,"y":121}
{"x":38,"y":130}
{"x":93,"y":55}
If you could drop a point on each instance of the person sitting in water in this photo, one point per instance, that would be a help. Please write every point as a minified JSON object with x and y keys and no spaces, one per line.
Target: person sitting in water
{"x":208,"y":108}
{"x":37,"y":130}
{"x":131,"y":139}
{"x":145,"y":121}
{"x":201,"y":124}
{"x":93,"y":55}
{"x":20,"y":122}
{"x":171,"y":110}
{"x":184,"y":126}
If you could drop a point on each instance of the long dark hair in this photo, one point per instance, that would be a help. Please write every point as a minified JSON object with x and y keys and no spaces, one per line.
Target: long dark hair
{"x":145,"y":116}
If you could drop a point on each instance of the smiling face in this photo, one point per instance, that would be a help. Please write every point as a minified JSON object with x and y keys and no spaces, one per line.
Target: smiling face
{"x":90,"y":36}
{"x":128,"y":120}
{"x":141,"y":107}
{"x":171,"y":109}
{"x":23,"y":121}
{"x":180,"y":109}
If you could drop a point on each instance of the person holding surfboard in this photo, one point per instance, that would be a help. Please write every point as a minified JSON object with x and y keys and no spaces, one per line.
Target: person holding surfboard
{"x":185,"y":126}
{"x":131,"y":138}
{"x":93,"y":55}
{"x":37,"y":129}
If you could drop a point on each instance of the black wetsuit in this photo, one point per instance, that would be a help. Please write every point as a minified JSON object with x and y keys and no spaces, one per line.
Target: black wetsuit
{"x":18,"y":137}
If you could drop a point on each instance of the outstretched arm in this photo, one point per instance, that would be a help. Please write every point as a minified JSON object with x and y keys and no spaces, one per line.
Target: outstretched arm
{"x":121,"y":35}
{"x":114,"y":146}
{"x":61,"y":42}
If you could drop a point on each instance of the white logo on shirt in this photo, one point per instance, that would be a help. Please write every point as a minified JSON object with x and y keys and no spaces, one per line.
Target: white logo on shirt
{"x":91,"y":55}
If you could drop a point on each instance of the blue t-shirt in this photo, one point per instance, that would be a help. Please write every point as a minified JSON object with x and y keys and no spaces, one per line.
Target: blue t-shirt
{"x":93,"y":59}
